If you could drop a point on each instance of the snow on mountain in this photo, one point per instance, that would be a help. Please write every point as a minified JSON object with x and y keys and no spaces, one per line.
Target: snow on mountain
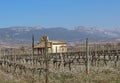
{"x":25,"y":29}
{"x":94,"y":30}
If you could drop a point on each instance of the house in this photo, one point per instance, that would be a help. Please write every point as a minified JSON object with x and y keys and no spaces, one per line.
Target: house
{"x":54,"y":46}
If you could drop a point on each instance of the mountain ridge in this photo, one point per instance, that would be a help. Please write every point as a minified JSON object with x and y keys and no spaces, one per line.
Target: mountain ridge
{"x":23,"y":34}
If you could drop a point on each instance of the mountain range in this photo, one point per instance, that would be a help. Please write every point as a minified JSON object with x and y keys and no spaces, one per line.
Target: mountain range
{"x":22,"y":35}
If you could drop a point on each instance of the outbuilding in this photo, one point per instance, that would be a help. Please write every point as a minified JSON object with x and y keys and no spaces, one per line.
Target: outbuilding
{"x":54,"y":46}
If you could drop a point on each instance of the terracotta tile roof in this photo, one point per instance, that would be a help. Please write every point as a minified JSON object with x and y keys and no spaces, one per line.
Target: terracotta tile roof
{"x":57,"y":42}
{"x":42,"y":45}
{"x":54,"y":42}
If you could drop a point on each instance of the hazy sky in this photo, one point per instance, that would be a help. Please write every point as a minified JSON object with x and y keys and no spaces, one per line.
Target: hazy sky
{"x":60,"y":13}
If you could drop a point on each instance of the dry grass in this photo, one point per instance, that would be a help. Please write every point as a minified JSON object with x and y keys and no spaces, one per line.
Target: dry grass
{"x":95,"y":76}
{"x":105,"y":76}
{"x":9,"y":78}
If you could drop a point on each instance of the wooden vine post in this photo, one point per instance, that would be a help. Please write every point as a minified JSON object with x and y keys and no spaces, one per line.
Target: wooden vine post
{"x":87,"y":57}
{"x":32,"y":49}
{"x":46,"y":58}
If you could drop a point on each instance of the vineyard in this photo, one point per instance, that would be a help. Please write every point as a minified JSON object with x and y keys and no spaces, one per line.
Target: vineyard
{"x":70,"y":62}
{"x":86,"y":66}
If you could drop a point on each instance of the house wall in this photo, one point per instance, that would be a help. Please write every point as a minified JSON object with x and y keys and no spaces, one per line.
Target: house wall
{"x":59,"y":48}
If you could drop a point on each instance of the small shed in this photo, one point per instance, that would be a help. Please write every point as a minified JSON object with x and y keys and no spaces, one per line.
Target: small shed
{"x":54,"y":46}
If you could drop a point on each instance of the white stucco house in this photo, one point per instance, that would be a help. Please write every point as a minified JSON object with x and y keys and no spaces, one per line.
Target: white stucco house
{"x":54,"y":46}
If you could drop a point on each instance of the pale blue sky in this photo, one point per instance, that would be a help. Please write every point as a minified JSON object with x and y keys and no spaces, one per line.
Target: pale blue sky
{"x":60,"y":13}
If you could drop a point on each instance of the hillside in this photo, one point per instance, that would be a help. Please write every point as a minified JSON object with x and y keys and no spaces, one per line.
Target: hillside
{"x":22,"y":35}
